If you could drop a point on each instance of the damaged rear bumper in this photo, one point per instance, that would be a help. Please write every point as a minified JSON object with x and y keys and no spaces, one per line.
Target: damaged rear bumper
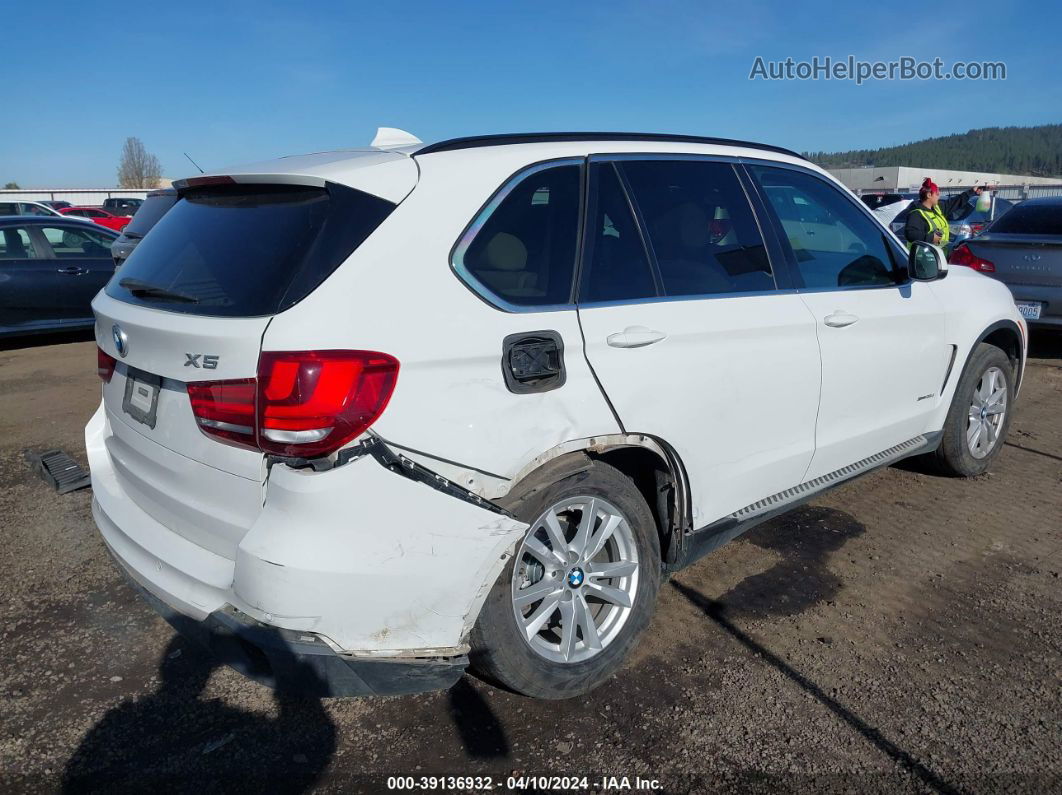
{"x":385,"y":573}
{"x":300,"y":663}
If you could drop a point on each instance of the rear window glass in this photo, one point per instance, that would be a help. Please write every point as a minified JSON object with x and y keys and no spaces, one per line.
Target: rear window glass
{"x":521,"y":248}
{"x":247,"y":250}
{"x":1030,"y":219}
{"x":153,"y":208}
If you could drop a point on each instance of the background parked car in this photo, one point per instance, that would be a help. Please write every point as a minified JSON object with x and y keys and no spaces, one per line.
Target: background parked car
{"x":963,"y":223}
{"x":154,"y":207}
{"x":1023,"y":249}
{"x":26,"y":208}
{"x":890,"y":206}
{"x":55,"y":204}
{"x":877,"y":200}
{"x":51,"y":268}
{"x":974,"y":223}
{"x":122,"y":206}
{"x":98,"y":216}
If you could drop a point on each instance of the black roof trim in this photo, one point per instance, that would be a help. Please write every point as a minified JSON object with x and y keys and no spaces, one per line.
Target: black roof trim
{"x":476,"y":141}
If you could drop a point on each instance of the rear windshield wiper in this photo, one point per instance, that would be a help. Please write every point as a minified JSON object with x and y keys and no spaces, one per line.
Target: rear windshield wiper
{"x":146,"y":290}
{"x":132,"y":235}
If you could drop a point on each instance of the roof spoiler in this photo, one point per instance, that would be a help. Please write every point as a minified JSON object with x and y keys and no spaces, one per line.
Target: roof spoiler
{"x":182,"y":185}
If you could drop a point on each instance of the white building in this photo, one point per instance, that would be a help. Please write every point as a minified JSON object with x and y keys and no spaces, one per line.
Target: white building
{"x":899,"y":179}
{"x":78,"y":196}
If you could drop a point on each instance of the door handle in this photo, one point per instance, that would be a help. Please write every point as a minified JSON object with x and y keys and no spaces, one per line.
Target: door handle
{"x":634,"y":337}
{"x":72,"y":270}
{"x":839,"y":319}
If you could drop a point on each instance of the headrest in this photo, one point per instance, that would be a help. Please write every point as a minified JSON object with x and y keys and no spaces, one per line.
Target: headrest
{"x":506,"y":252}
{"x":687,"y":222}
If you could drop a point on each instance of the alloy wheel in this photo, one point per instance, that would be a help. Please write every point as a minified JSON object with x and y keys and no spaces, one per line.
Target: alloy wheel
{"x":988,"y":409}
{"x":575,"y":579}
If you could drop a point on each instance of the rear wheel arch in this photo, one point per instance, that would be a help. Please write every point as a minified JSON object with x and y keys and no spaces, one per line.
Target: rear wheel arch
{"x":652,"y":464}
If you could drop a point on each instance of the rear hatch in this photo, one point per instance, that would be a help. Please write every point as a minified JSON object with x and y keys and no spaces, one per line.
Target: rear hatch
{"x":191,"y":304}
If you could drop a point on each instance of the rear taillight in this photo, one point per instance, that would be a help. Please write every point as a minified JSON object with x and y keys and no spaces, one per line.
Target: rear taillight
{"x":104,"y":365}
{"x":961,"y":255}
{"x":303,"y":403}
{"x":226,"y":409}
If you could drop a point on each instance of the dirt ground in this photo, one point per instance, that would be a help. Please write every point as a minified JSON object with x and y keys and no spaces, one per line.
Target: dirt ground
{"x":901,"y":634}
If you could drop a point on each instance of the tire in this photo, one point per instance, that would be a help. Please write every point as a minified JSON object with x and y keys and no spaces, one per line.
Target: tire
{"x":527,"y":662}
{"x":956,"y":456}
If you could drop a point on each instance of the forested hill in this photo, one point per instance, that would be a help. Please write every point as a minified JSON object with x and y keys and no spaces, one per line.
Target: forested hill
{"x":1032,"y":151}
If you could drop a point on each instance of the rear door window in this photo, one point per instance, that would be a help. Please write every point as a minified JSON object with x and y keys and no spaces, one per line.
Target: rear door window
{"x":69,"y":242}
{"x":619,"y":268}
{"x":247,"y":250}
{"x":15,"y":243}
{"x":521,"y":249}
{"x":701,"y":227}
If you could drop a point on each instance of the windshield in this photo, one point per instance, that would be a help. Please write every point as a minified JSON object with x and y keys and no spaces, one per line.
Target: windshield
{"x":149,"y":214}
{"x":247,"y":250}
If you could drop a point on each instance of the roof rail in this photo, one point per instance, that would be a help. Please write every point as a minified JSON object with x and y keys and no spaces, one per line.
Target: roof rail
{"x":476,"y":141}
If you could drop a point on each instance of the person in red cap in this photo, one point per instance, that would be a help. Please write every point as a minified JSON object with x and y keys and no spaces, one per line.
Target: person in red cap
{"x":928,"y":219}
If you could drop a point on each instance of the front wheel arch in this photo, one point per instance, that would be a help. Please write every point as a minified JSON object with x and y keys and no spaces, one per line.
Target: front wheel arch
{"x":1009,"y":338}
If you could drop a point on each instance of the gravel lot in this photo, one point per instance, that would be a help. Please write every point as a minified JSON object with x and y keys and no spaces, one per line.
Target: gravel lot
{"x":902,"y":634}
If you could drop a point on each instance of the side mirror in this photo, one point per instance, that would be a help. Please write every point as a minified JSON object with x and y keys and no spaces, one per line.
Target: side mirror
{"x":926,"y":262}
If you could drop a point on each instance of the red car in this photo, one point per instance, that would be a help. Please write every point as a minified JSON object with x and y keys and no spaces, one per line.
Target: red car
{"x":101,"y":217}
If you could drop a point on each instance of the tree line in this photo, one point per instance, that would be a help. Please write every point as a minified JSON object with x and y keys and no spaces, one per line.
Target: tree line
{"x":1030,"y":151}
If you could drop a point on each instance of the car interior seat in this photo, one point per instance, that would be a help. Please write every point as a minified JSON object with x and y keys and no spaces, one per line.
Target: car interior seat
{"x":505,"y":269}
{"x":16,"y":249}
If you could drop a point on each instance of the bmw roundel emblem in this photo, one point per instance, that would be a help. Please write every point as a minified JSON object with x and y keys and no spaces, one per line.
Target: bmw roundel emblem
{"x":575,"y":577}
{"x":121,"y":340}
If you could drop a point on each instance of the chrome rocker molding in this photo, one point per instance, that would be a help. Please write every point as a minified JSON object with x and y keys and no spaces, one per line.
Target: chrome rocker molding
{"x":710,"y":537}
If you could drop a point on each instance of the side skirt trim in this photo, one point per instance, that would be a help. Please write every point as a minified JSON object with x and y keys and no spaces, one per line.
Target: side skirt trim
{"x":712,"y":536}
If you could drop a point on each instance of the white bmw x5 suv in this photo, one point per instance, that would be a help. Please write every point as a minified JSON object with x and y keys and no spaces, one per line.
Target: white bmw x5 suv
{"x":372,"y":416}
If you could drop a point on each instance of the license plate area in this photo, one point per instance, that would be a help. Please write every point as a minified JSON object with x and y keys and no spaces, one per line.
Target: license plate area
{"x":1030,"y":310}
{"x":141,"y":400}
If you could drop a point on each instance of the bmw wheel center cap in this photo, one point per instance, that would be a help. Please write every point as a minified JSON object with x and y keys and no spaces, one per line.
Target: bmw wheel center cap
{"x":576,"y":577}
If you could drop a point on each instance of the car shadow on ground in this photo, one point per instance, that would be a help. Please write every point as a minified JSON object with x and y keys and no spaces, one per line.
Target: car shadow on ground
{"x":482,"y":734}
{"x":174,"y":739}
{"x":45,"y":339}
{"x":804,"y":540}
{"x":1045,"y":344}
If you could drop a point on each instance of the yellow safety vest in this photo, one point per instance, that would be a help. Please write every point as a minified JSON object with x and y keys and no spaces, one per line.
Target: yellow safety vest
{"x":937,"y":223}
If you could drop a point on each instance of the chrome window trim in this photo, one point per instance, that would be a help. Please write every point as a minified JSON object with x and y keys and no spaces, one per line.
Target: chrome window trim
{"x":482,"y":291}
{"x":662,"y":299}
{"x":748,"y":294}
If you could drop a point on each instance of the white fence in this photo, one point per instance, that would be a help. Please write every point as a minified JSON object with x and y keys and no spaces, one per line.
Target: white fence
{"x":76,"y":196}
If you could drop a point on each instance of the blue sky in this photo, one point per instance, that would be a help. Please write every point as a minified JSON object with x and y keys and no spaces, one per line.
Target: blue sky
{"x":230,"y":82}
